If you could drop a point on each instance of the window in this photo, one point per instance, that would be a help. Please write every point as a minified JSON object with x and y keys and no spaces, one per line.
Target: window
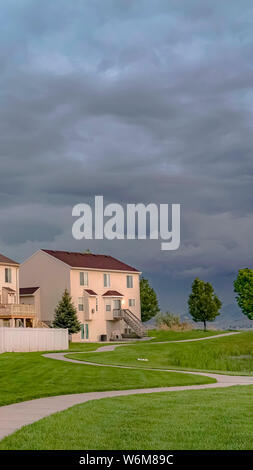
{"x":131,"y":302}
{"x":129,"y":281}
{"x":7,"y":274}
{"x":83,"y":278}
{"x":80,"y":304}
{"x":108,"y":308}
{"x":96,"y":304}
{"x":107,"y":280}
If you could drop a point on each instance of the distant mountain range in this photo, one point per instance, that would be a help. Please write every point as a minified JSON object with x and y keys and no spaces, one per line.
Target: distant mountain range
{"x":230,"y":318}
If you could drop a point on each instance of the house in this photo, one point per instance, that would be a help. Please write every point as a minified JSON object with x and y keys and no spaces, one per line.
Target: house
{"x":104,"y":290}
{"x":12,"y":312}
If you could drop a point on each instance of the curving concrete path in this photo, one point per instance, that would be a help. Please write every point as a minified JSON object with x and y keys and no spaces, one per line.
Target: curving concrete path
{"x":17,"y":415}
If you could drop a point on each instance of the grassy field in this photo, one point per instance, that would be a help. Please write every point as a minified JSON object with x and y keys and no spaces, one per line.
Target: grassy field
{"x":30,"y":375}
{"x":203,"y":419}
{"x":200,"y":419}
{"x":232,"y":354}
{"x":155,"y":335}
{"x":168,"y":335}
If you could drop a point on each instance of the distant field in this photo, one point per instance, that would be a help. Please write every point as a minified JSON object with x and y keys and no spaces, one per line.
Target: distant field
{"x":157,"y":335}
{"x":168,"y":335}
{"x":203,"y":419}
{"x":86,"y":346}
{"x":232,"y":354}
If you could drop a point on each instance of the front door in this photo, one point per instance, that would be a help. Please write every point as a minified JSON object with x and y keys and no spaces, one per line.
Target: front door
{"x":85,"y":331}
{"x":117,"y":304}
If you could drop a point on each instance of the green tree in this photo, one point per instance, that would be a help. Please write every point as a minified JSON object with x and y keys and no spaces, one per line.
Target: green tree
{"x":243,"y":286}
{"x":65,"y":315}
{"x":149,"y":302}
{"x":203,"y":304}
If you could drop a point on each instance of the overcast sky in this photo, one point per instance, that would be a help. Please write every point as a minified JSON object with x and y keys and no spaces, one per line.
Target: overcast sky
{"x":139,"y":101}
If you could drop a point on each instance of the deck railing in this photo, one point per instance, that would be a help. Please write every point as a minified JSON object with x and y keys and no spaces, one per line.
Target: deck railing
{"x":17,"y":309}
{"x":117,"y":313}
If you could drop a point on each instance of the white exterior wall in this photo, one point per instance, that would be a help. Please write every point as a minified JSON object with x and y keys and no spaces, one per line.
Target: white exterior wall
{"x":33,"y":339}
{"x":51,"y":276}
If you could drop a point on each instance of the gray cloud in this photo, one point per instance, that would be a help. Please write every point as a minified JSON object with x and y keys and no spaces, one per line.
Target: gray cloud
{"x":138,"y":101}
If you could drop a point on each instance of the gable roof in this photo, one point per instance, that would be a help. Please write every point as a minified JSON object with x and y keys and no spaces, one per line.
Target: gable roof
{"x":5,"y":260}
{"x":90,"y":291}
{"x":27,"y":290}
{"x":90,"y":261}
{"x":112,"y":293}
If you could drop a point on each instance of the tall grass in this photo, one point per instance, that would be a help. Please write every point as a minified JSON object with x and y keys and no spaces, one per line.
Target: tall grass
{"x":232,"y":354}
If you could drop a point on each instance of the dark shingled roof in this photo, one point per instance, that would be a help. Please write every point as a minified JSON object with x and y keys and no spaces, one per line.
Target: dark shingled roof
{"x":27,"y":290}
{"x":89,"y":260}
{"x":112,"y":293}
{"x":5,"y":260}
{"x":90,"y":291}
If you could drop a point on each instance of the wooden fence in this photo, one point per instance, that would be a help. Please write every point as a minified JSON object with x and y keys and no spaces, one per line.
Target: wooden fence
{"x":33,"y":339}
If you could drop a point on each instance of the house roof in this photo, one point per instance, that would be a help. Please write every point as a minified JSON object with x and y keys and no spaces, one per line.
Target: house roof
{"x":90,"y":291}
{"x":112,"y":293}
{"x":11,"y":291}
{"x":27,"y":290}
{"x":5,"y":260}
{"x":90,"y":261}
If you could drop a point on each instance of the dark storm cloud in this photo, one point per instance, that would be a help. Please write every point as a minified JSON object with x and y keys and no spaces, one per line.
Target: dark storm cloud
{"x":17,"y":233}
{"x":141,"y":101}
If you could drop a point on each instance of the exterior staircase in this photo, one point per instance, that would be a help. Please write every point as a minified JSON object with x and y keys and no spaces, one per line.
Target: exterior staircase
{"x":133,"y":322}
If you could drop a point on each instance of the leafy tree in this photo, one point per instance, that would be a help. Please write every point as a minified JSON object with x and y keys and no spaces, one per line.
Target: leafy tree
{"x":65,"y":315}
{"x":149,"y":302}
{"x":243,"y":286}
{"x":203,"y":304}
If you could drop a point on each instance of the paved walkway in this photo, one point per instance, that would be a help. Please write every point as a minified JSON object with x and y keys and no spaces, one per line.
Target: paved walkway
{"x":13,"y":417}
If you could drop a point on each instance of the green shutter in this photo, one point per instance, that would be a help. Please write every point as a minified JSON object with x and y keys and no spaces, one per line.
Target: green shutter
{"x":87,"y":330}
{"x":82,"y":331}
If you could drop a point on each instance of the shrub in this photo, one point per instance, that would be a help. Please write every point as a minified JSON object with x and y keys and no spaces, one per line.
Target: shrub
{"x":170,"y":321}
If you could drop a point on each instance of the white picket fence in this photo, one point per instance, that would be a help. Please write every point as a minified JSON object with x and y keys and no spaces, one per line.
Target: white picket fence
{"x":33,"y":339}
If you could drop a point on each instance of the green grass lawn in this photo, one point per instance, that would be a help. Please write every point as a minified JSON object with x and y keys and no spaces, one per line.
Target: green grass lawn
{"x":232,"y":354}
{"x":156,"y":335}
{"x":30,"y":375}
{"x":168,"y":335}
{"x":203,"y":419}
{"x":86,"y":346}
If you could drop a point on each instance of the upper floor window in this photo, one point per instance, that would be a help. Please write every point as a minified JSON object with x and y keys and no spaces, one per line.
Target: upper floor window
{"x":108,"y":307}
{"x":83,"y":278}
{"x":131,"y":302}
{"x":80,"y":304}
{"x":129,"y":281}
{"x":107,"y":280}
{"x":7,"y":274}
